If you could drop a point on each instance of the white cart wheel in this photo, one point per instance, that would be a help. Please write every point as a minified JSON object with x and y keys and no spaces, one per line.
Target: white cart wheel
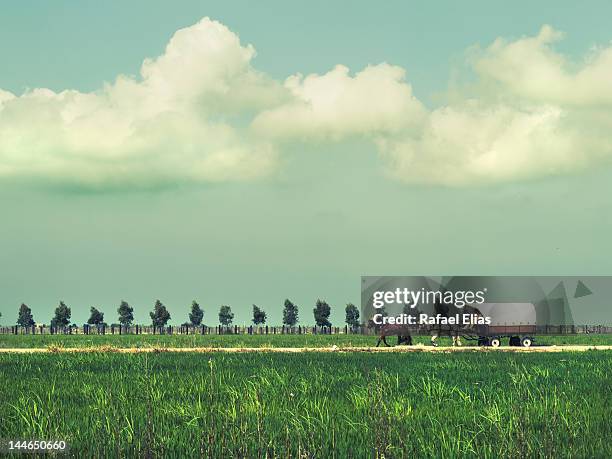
{"x":526,"y":342}
{"x":495,"y":342}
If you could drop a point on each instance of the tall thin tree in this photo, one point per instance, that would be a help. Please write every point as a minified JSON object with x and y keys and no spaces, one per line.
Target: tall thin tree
{"x":126,"y":314}
{"x":290,"y":313}
{"x":96,"y":317}
{"x":352,"y":315}
{"x":259,"y":315}
{"x":61,"y":316}
{"x":225,"y":315}
{"x":160,"y":315}
{"x":25,"y":318}
{"x":321,"y":314}
{"x":196,"y":315}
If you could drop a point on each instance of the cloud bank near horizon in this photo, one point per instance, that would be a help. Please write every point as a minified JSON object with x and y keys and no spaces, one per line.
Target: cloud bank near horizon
{"x":201,"y":113}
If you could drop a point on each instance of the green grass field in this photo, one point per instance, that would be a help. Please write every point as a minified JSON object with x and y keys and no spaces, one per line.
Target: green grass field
{"x":312,"y":405}
{"x":33,"y":341}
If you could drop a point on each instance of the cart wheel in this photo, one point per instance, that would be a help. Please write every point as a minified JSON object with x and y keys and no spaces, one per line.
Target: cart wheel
{"x":495,"y":342}
{"x":526,"y":341}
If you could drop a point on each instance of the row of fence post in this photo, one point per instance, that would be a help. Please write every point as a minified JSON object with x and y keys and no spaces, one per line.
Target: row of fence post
{"x":104,"y":329}
{"x":254,"y":330}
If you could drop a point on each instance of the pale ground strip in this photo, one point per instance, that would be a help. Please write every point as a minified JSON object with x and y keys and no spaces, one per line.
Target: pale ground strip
{"x":396,"y":349}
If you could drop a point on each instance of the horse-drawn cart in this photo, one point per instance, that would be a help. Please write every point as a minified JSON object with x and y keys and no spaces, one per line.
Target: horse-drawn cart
{"x":493,"y":335}
{"x":500,"y":314}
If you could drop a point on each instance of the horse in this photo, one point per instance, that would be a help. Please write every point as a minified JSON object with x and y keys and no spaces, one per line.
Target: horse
{"x":403,"y":333}
{"x":453,"y":331}
{"x":449,"y":330}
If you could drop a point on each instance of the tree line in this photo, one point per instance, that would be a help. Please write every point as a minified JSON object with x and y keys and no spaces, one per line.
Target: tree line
{"x":160,"y":315}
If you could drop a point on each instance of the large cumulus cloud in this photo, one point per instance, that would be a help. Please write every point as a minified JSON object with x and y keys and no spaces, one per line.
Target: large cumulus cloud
{"x":181,"y":120}
{"x":201,"y":112}
{"x":529,"y":112}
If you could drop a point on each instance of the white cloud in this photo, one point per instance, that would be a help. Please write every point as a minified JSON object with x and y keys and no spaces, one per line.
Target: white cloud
{"x":376,"y":101}
{"x":530,"y":113}
{"x":476,"y":144}
{"x":176,"y":123}
{"x":530,"y":68}
{"x":200,"y":112}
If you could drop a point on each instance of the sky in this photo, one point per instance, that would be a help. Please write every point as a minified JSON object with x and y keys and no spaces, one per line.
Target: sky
{"x":239,"y":153}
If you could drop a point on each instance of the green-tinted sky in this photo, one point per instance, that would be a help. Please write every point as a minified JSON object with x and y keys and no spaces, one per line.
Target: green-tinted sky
{"x":341,"y":195}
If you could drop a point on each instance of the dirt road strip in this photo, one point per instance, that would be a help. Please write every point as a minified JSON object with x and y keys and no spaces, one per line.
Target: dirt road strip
{"x":396,"y":349}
